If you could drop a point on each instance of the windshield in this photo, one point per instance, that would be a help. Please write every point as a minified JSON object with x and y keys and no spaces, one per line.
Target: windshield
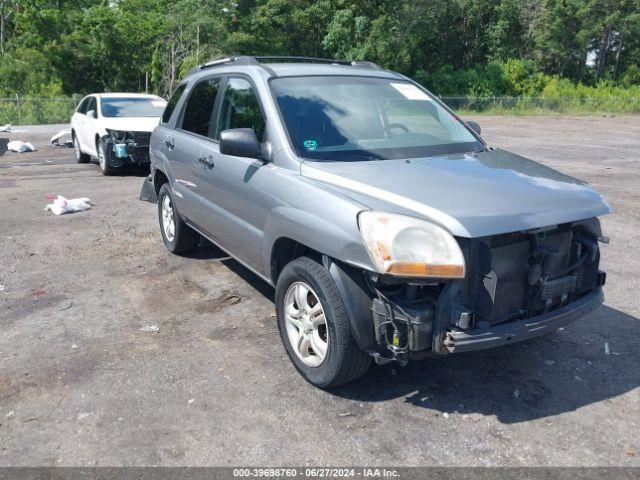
{"x":132,"y":107}
{"x":365,"y":118}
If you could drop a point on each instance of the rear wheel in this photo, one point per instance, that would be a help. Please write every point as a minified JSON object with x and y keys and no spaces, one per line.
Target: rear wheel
{"x":77,"y":151}
{"x":177,"y":235}
{"x":314,"y":326}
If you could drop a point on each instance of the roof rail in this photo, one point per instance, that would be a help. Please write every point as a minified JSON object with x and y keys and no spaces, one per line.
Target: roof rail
{"x":248,"y":60}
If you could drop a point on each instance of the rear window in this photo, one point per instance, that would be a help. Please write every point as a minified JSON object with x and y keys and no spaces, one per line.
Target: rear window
{"x":173,"y":101}
{"x":131,"y":107}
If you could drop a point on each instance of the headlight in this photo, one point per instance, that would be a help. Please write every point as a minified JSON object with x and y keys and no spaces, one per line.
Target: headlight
{"x":406,"y":246}
{"x":119,"y":136}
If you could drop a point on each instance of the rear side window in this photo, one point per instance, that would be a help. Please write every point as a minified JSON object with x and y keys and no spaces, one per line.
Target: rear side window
{"x":198,"y":113}
{"x":241,"y":108}
{"x":173,"y":101}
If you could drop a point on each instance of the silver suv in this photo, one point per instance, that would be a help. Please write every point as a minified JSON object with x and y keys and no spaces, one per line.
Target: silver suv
{"x":388,"y":227}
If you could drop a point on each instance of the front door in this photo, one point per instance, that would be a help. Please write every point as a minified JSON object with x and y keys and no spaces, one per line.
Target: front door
{"x":236,"y":184}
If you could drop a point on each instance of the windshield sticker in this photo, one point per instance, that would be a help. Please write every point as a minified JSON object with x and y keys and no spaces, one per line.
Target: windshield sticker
{"x":410,"y":92}
{"x":310,"y":145}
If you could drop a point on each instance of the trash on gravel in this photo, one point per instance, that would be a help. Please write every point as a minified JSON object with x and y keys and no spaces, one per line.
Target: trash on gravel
{"x":1,"y":287}
{"x":55,"y":140}
{"x":9,"y":128}
{"x":38,"y":293}
{"x":74,"y":346}
{"x":20,"y":147}
{"x":82,"y":416}
{"x":606,"y":348}
{"x":152,"y":327}
{"x":445,"y":415}
{"x":66,"y":306}
{"x":191,"y":400}
{"x":347,"y":414}
{"x":61,"y":205}
{"x":516,"y":394}
{"x":10,"y":414}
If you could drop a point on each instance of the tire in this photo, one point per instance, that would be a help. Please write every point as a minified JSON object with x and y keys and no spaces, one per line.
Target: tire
{"x":184,"y":238}
{"x":343,"y":361}
{"x":105,"y":166}
{"x":77,"y":151}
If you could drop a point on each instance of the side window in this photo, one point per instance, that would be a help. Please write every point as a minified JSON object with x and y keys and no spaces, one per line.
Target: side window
{"x":199,"y":110}
{"x":82,"y":108}
{"x":173,"y":101}
{"x":91,"y":105}
{"x":240,"y":108}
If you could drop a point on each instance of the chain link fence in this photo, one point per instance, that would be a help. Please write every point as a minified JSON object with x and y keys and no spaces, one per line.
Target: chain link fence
{"x":542,"y":105}
{"x":38,"y":110}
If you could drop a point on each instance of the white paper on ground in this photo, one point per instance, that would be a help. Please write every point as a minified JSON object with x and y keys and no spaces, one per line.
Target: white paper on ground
{"x":20,"y":146}
{"x":61,"y":205}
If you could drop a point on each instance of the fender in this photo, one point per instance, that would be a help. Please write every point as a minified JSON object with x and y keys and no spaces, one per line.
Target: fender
{"x":338,"y":238}
{"x":357,"y":300}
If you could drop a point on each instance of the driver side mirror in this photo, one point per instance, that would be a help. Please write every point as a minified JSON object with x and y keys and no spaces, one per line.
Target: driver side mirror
{"x":474,"y":126}
{"x":92,"y":114}
{"x":240,"y":142}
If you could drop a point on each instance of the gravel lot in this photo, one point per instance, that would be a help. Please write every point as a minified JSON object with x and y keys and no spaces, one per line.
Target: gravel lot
{"x":81,"y":384}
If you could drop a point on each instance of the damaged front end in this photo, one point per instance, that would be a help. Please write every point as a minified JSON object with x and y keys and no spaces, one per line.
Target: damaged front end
{"x":516,"y":286}
{"x":126,"y":147}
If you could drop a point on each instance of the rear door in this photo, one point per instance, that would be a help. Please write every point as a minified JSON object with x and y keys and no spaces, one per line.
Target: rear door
{"x":83,"y":125}
{"x":236,"y":185}
{"x":184,"y":147}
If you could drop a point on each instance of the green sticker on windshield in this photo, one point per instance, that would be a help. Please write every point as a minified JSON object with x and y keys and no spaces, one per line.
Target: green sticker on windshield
{"x":310,"y":145}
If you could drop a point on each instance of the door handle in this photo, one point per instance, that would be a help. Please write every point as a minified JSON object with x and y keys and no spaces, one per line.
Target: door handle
{"x":169,"y":143}
{"x":209,"y":164}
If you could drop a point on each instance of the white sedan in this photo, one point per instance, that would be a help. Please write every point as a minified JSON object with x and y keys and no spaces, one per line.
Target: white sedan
{"x":115,"y":128}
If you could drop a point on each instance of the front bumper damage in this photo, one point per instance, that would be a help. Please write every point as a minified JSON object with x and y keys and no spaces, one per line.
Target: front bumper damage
{"x":518,"y":286}
{"x":458,"y":341}
{"x":127,"y":148}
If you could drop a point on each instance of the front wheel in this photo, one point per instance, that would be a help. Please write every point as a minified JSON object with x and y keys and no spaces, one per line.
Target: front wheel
{"x":314,"y":326}
{"x":103,"y":161}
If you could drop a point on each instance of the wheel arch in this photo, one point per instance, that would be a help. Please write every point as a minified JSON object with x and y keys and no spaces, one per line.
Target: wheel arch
{"x":349,"y":279}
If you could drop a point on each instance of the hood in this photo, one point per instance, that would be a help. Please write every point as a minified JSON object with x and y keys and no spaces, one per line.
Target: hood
{"x":472,"y":195}
{"x":130,"y":124}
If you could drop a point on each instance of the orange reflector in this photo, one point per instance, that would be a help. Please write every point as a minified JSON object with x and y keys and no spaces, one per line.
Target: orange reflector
{"x":424,"y":270}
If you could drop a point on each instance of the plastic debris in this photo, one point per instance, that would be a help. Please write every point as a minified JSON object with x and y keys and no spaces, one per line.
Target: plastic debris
{"x":606,"y":348}
{"x":9,"y":128}
{"x":55,"y":140}
{"x":82,"y":416}
{"x":74,"y":346}
{"x":1,"y":287}
{"x":10,"y":414}
{"x":152,"y":327}
{"x":61,"y":205}
{"x":516,"y":394}
{"x":346,"y":414}
{"x":191,"y":400}
{"x":38,"y":293}
{"x":20,"y":147}
{"x":445,"y":415}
